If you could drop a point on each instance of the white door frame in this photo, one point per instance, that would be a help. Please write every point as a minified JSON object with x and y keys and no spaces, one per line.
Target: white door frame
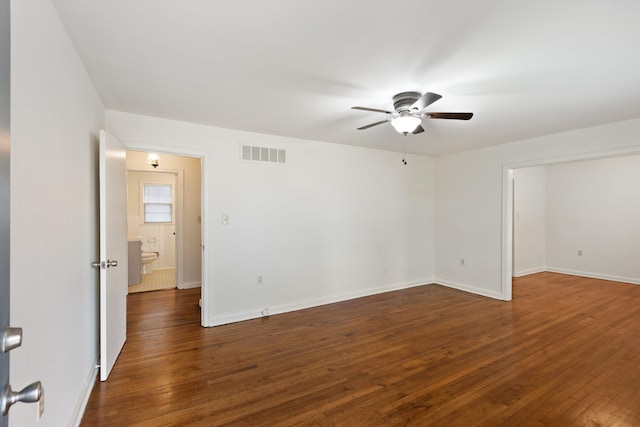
{"x":163,"y":149}
{"x":507,"y":202}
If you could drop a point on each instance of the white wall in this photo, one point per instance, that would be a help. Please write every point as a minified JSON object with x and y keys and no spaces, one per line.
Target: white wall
{"x":469,"y":195}
{"x":55,"y":118}
{"x":335,"y":222}
{"x":594,"y":206}
{"x":191,"y":199}
{"x":529,"y":223}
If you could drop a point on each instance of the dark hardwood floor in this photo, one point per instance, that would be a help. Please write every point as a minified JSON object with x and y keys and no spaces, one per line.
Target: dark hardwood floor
{"x":564,"y":352}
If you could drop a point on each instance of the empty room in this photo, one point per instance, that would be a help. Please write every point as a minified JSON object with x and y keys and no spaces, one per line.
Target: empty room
{"x":368,"y":213}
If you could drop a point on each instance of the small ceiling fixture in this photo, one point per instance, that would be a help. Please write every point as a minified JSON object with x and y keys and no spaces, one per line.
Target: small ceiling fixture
{"x":153,"y":159}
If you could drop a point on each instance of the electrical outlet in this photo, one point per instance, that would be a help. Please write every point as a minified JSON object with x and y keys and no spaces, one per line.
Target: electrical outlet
{"x":259,"y":280}
{"x":461,"y":262}
{"x":265,"y":311}
{"x":225,"y":219}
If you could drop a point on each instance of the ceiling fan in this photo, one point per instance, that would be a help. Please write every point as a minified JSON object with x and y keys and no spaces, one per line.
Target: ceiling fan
{"x":409,"y":112}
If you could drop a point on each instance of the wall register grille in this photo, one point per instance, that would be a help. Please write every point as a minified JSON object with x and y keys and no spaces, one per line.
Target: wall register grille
{"x":253,"y":153}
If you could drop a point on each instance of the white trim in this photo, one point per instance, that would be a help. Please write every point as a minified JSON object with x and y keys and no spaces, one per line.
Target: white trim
{"x":467,"y":288}
{"x":174,"y":199}
{"x":589,"y":155}
{"x":162,"y":149}
{"x":529,"y":271}
{"x":179,"y":193}
{"x":191,"y":285}
{"x":204,"y":238}
{"x":507,"y":201}
{"x":301,"y":305}
{"x":594,"y":275}
{"x":81,"y":405}
{"x":506,"y":285}
{"x":144,"y":146}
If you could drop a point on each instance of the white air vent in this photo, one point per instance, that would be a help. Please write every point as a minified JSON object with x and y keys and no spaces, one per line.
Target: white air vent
{"x":262,"y":154}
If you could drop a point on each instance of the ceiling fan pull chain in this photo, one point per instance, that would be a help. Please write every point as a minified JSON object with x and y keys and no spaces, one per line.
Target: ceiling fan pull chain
{"x":404,"y":153}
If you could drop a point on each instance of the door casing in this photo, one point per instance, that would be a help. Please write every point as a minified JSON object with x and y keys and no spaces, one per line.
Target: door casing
{"x":181,"y":151}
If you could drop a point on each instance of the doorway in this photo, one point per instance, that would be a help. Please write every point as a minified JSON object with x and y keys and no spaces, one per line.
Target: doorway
{"x":575,"y":251}
{"x":152,"y":215}
{"x":164,"y":221}
{"x":529,"y":220}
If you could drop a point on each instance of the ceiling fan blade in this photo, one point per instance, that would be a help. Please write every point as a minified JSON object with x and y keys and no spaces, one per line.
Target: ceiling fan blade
{"x":374,"y":124}
{"x":372,"y":109}
{"x":454,"y":116}
{"x":418,"y":130}
{"x":426,"y":100}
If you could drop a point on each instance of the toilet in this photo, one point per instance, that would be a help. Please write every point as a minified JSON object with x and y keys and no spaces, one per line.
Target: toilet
{"x":147,"y":259}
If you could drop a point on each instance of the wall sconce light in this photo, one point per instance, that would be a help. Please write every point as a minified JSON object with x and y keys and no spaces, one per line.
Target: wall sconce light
{"x":153,"y":159}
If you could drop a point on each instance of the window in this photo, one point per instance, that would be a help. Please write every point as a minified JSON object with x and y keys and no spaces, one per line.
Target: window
{"x":157,"y":202}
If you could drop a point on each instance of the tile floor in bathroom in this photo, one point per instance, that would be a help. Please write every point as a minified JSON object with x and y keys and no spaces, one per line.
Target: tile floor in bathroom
{"x":164,"y":278}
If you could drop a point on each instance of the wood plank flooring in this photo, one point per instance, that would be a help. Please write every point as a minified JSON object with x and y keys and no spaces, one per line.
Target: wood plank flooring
{"x":564,"y":352}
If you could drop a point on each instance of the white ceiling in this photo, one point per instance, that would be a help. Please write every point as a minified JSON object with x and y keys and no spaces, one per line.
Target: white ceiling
{"x":295,"y":67}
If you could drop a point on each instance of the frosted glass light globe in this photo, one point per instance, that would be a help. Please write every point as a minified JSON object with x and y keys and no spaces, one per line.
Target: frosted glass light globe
{"x":405,"y":124}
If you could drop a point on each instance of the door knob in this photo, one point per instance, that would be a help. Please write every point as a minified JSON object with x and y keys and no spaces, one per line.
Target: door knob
{"x":11,"y":338}
{"x":31,"y":393}
{"x":103,"y":265}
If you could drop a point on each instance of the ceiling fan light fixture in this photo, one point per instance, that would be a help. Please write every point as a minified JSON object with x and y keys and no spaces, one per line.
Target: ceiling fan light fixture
{"x":405,"y":123}
{"x":409,"y":111}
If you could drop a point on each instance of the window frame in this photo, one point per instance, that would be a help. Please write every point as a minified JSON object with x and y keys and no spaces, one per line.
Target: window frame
{"x":143,"y":219}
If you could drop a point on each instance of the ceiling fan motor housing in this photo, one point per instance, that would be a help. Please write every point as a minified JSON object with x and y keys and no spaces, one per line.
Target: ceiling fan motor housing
{"x":404,"y":100}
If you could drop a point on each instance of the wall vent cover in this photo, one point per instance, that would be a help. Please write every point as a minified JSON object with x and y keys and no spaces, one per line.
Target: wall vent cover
{"x":252,"y":153}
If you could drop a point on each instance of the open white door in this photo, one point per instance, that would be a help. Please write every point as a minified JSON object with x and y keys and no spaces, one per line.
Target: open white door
{"x":113,"y":251}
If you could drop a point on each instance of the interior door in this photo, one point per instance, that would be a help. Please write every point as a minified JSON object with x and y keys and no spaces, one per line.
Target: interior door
{"x":113,"y":251}
{"x":10,"y":337}
{"x":4,"y":192}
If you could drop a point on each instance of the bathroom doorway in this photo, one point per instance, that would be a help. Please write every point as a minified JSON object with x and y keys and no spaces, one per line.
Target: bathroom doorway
{"x":163,"y":221}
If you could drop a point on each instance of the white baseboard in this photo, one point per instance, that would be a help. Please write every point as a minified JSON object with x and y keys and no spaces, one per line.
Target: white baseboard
{"x":191,"y":285}
{"x":301,"y":305}
{"x":470,"y":289}
{"x":594,"y":275}
{"x":78,"y":412}
{"x":529,"y":271}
